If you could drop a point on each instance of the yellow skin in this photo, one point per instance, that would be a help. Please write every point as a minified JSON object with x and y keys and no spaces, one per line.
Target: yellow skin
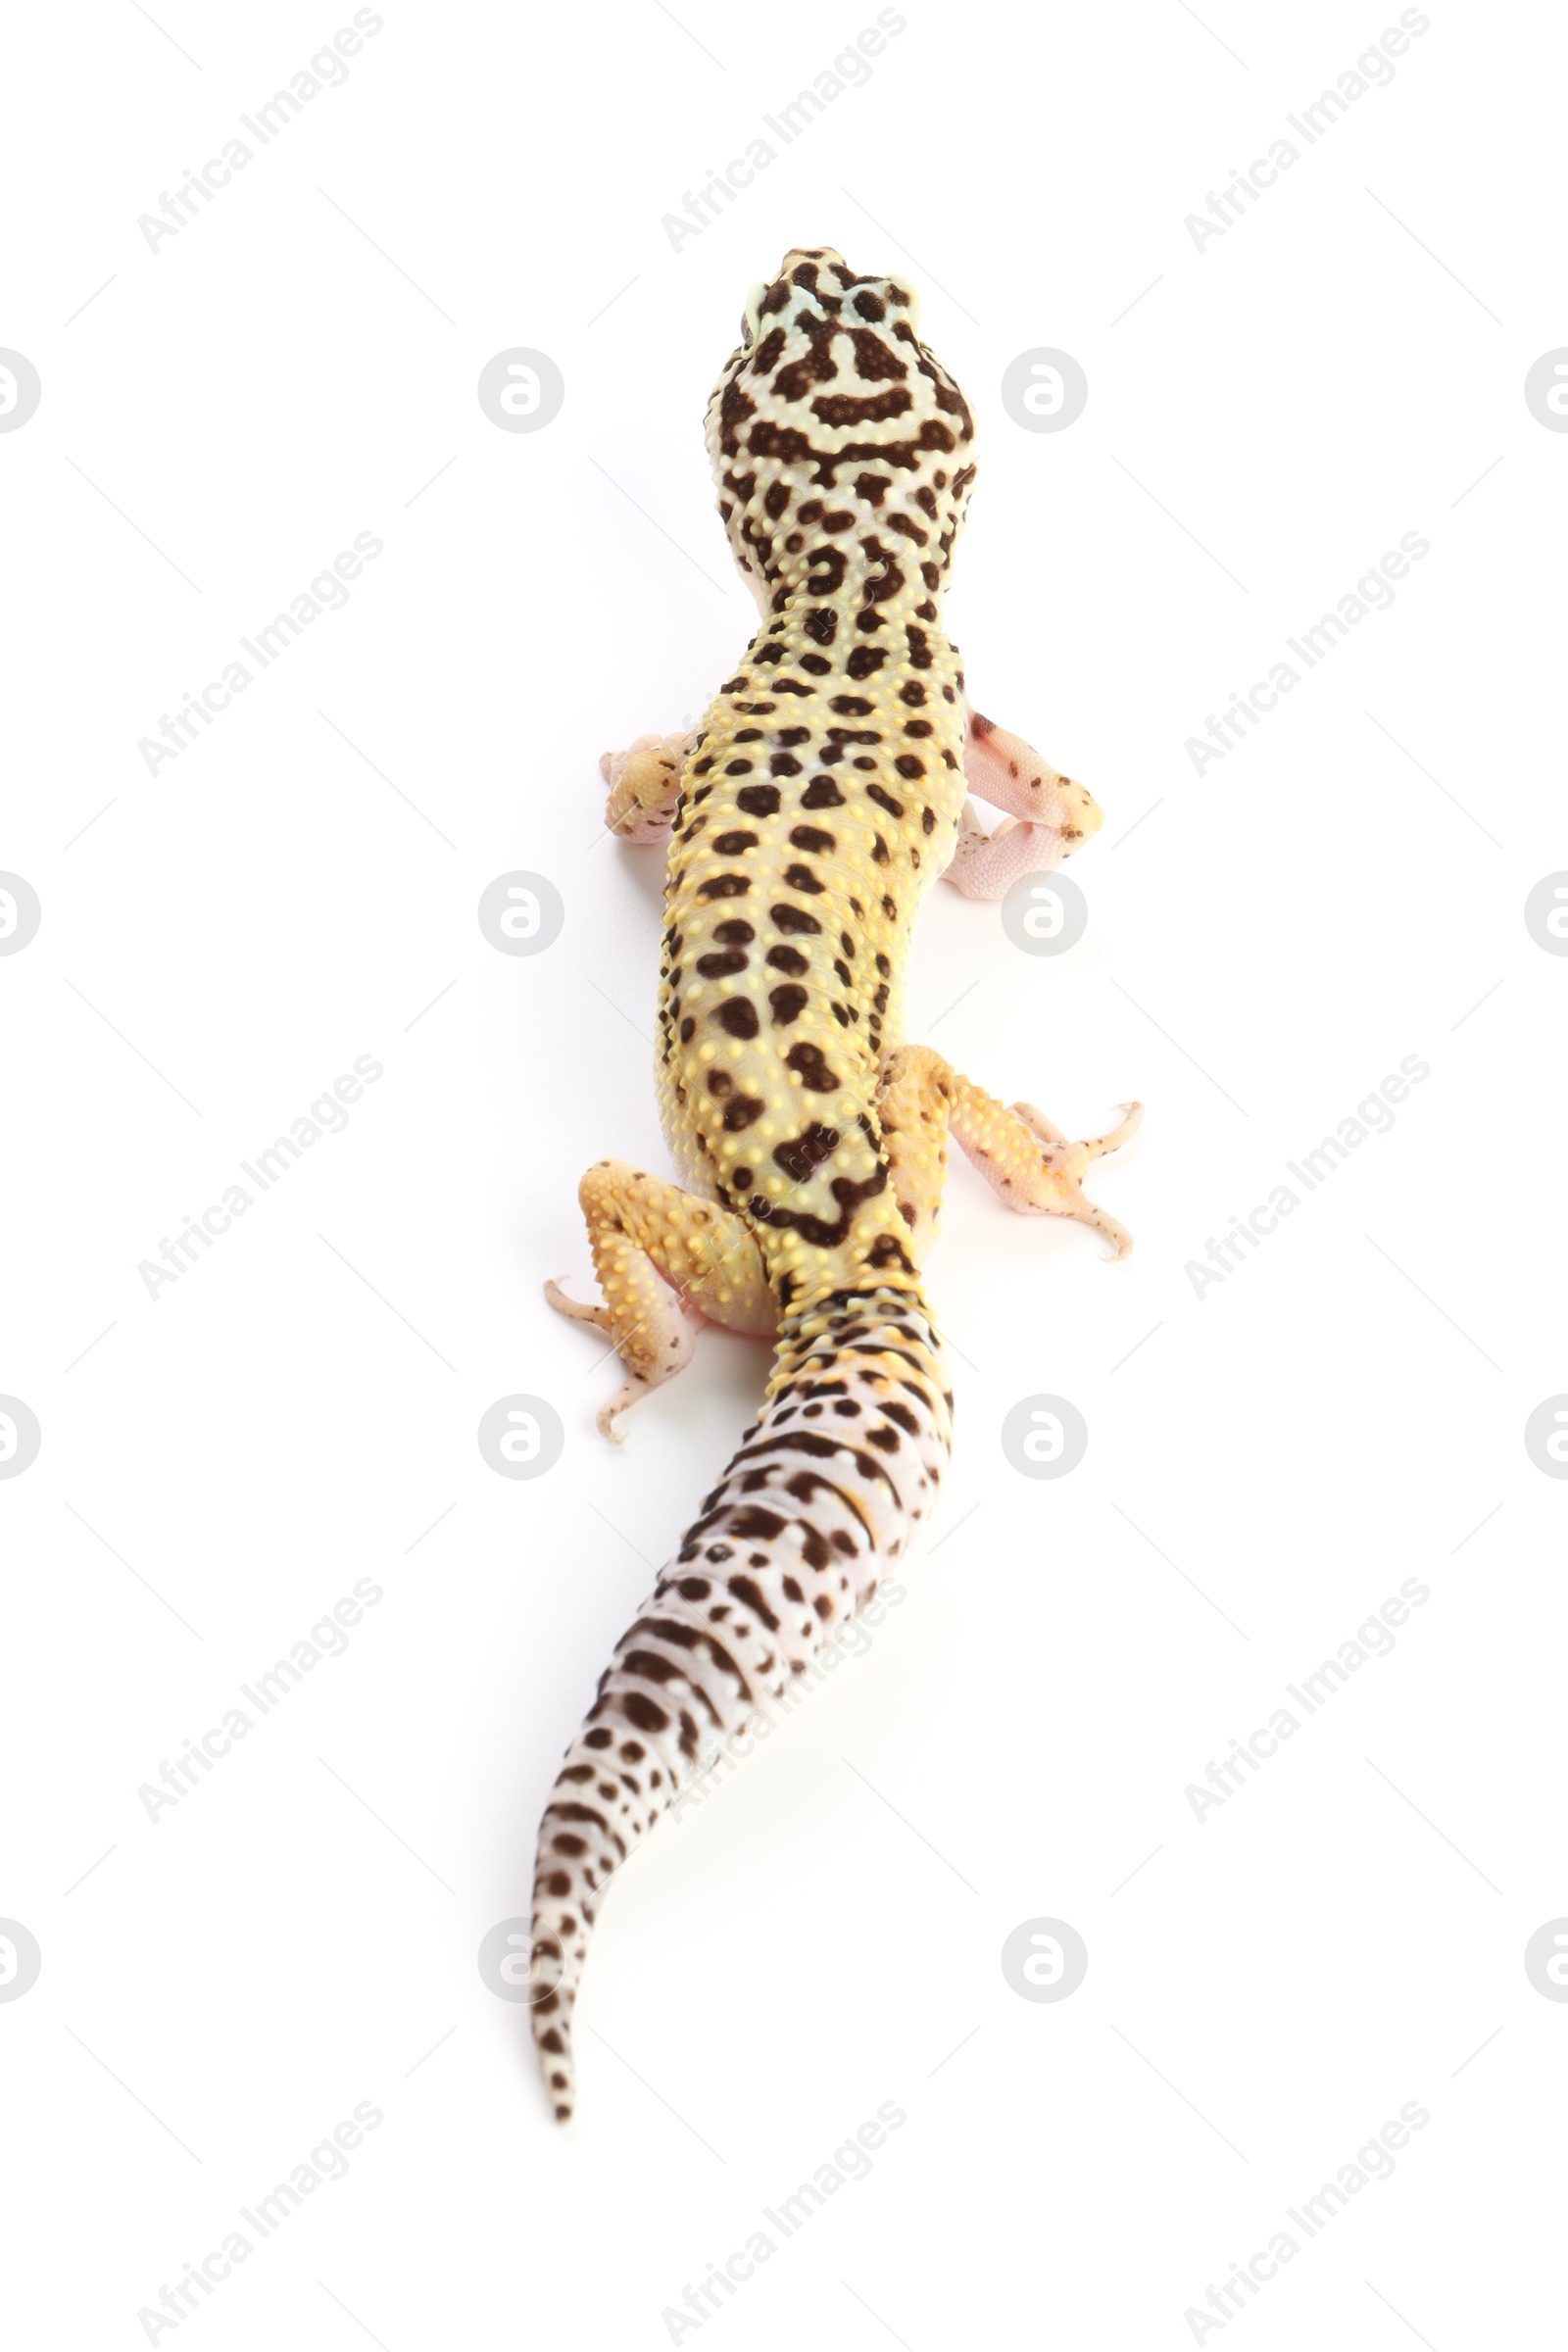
{"x":826,"y":791}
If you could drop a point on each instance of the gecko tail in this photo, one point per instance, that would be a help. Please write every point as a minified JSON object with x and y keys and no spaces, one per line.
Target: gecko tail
{"x":829,"y":1485}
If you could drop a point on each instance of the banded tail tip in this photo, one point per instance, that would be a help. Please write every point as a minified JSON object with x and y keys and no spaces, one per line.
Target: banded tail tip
{"x":552,"y":2039}
{"x":553,"y":1990}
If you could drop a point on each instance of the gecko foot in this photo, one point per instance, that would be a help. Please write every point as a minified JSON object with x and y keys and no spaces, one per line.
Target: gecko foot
{"x":1064,"y":1164}
{"x":644,"y":786}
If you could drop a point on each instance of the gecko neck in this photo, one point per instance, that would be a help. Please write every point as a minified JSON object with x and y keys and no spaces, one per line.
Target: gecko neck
{"x":833,"y":635}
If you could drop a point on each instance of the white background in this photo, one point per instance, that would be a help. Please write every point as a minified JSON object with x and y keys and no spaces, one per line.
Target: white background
{"x":1341,"y":366}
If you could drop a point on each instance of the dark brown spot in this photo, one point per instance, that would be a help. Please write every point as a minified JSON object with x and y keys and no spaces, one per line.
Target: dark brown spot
{"x":737,"y":1017}
{"x":806,"y":1152}
{"x":814,"y":1074}
{"x":747,"y":1589}
{"x":757,"y":1524}
{"x":848,"y":407}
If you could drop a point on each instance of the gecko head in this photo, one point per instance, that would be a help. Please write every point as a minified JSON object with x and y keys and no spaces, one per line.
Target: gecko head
{"x":842,"y":450}
{"x":807,"y":274}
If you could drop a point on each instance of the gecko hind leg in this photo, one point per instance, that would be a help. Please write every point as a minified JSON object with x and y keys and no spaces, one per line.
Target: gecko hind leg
{"x":1030,"y":1165}
{"x":663,"y":1256}
{"x":644,"y":786}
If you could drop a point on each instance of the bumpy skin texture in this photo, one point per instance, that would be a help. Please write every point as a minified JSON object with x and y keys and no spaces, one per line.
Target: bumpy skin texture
{"x":823,"y":794}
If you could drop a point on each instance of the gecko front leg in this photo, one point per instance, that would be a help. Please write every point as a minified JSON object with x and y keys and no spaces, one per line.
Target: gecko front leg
{"x":1048,"y":815}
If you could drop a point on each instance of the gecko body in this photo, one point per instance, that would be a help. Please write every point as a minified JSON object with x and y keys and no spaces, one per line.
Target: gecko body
{"x":825,"y":789}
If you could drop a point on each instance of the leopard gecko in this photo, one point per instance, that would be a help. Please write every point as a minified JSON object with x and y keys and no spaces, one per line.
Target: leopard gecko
{"x":823,"y":792}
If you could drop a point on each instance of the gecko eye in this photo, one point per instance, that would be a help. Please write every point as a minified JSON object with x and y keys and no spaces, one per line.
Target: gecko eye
{"x":912,"y":298}
{"x":752,"y":316}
